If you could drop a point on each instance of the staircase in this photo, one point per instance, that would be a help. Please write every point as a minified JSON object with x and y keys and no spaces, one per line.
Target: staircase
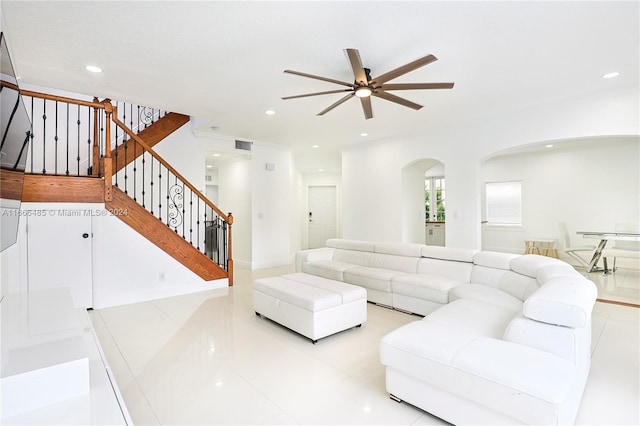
{"x":92,"y":151}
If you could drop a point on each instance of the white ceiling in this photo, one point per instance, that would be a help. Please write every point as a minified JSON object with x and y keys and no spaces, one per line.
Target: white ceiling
{"x":223,"y":61}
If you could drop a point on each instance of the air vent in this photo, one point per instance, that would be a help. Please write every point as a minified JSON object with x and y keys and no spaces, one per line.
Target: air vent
{"x":243,"y":145}
{"x":207,"y":178}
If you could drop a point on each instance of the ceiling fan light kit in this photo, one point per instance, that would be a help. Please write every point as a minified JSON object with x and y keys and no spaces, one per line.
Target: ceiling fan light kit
{"x":364,"y":86}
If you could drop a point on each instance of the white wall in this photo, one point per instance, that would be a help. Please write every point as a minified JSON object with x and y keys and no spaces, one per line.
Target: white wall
{"x":272,"y":205}
{"x":126,"y":267}
{"x":589,"y":184}
{"x":372,"y":172}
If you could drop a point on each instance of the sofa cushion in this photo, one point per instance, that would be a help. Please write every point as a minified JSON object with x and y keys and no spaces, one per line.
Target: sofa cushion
{"x":494,"y":259}
{"x":393,"y":263}
{"x":562,"y":301}
{"x":474,"y":317}
{"x":529,"y":264}
{"x":424,"y":286}
{"x":354,"y":257}
{"x":459,"y":271}
{"x":486,"y":294}
{"x":373,"y":278}
{"x":512,"y":283}
{"x":327,"y":268}
{"x":448,"y":253}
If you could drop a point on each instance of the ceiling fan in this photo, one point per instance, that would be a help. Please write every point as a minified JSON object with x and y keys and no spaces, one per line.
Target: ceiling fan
{"x":364,"y":86}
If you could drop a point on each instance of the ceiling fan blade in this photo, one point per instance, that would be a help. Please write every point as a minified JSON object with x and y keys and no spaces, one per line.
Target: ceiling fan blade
{"x":356,"y":65}
{"x":317,"y":93}
{"x":317,"y":77}
{"x":416,"y":86}
{"x":366,"y":107}
{"x":404,"y":69}
{"x":397,"y":99}
{"x":332,"y":106}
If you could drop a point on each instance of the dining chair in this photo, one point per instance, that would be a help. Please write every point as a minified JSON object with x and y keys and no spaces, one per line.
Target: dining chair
{"x":572,"y":251}
{"x":621,"y":248}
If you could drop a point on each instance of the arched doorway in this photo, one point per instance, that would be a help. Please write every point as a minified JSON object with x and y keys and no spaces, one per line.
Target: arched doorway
{"x":419,"y":205}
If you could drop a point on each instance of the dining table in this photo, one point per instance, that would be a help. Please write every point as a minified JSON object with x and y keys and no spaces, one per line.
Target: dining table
{"x":604,"y":237}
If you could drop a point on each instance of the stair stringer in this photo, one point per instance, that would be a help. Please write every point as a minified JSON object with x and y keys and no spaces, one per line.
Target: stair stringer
{"x":163,"y":237}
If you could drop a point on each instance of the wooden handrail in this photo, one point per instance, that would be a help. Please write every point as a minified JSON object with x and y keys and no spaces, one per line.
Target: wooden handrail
{"x":94,"y":104}
{"x":161,"y":160}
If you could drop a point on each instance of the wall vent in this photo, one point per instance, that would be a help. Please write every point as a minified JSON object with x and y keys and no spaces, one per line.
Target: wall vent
{"x":243,"y":145}
{"x":207,"y":178}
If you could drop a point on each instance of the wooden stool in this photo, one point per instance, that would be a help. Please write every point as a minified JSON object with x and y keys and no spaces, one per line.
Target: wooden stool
{"x":530,"y":247}
{"x":542,"y":247}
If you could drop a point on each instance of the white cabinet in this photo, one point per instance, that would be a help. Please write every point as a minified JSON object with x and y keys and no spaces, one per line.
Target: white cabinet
{"x":434,"y":233}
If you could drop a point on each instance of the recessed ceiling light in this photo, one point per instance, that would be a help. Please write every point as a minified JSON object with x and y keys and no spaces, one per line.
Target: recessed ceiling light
{"x":548,"y":146}
{"x":93,"y":68}
{"x":315,"y":146}
{"x":216,"y":155}
{"x":209,"y":166}
{"x":321,"y":170}
{"x":611,"y":75}
{"x":364,"y":134}
{"x":269,"y":112}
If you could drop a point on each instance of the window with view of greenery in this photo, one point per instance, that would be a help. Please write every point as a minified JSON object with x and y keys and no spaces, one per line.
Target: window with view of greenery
{"x":434,"y":196}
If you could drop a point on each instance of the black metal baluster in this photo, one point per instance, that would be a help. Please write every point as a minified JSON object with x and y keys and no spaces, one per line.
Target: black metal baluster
{"x":126,"y":162}
{"x":89,"y":156}
{"x":183,"y":212}
{"x":224,"y":244}
{"x":143,"y":186}
{"x":67,"y":121}
{"x":168,"y":197}
{"x":32,"y":145}
{"x":160,"y":191}
{"x":135,"y":169}
{"x":78,"y":151}
{"x":55,"y":142}
{"x":151,"y":185}
{"x":198,"y":225}
{"x":44,"y":138}
{"x":191,"y":217}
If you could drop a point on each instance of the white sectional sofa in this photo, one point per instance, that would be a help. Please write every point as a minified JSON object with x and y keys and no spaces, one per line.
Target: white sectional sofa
{"x":505,"y":338}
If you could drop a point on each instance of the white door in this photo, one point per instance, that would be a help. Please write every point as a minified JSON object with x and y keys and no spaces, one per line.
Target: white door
{"x":60,"y":253}
{"x":322,"y":215}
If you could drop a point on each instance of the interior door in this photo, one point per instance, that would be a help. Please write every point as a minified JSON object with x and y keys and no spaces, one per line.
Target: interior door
{"x":60,"y":253}
{"x":322,"y":215}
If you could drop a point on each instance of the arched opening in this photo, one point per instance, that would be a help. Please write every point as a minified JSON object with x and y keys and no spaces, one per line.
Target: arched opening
{"x":423,"y":202}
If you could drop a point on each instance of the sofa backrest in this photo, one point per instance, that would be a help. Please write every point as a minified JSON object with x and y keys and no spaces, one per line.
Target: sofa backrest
{"x":448,"y":262}
{"x":361,"y":258}
{"x":494,"y":269}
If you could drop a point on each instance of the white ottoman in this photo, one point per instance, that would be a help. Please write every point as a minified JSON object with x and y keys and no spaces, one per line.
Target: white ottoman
{"x":313,"y":306}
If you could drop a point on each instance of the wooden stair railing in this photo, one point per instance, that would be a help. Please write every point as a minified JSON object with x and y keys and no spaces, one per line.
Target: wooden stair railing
{"x":226,"y":262}
{"x":98,"y":185}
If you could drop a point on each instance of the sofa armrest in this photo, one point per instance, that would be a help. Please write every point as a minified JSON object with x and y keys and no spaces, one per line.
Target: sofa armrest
{"x":313,"y":255}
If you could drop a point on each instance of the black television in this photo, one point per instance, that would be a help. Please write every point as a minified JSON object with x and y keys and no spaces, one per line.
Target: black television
{"x":15,"y":131}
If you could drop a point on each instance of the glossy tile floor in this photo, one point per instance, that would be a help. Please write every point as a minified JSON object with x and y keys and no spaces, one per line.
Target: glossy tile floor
{"x":206,"y":358}
{"x":621,"y":286}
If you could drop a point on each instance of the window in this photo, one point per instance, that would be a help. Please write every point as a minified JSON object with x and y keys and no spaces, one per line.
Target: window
{"x":434,"y":199}
{"x":504,"y":203}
